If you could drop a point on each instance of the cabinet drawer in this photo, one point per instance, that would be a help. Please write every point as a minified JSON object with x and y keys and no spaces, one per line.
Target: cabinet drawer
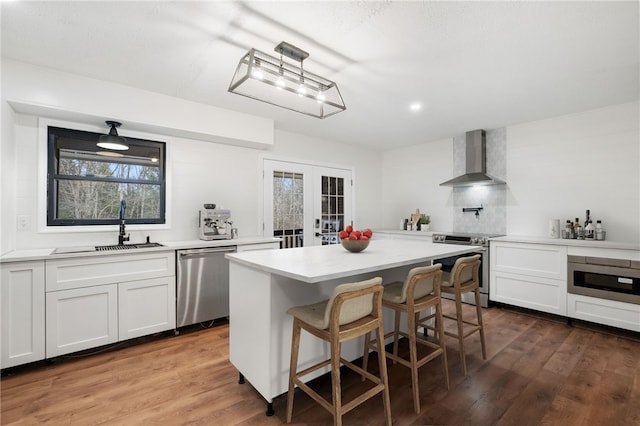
{"x":64,"y":274}
{"x":603,"y":311}
{"x":541,"y":294}
{"x":539,"y":260}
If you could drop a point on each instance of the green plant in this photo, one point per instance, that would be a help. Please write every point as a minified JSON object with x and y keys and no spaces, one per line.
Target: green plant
{"x":424,"y":219}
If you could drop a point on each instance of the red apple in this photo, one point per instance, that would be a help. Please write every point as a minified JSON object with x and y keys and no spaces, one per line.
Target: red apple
{"x":348,"y":228}
{"x":343,"y":235}
{"x":367,"y":232}
{"x":352,"y":236}
{"x":357,"y":234}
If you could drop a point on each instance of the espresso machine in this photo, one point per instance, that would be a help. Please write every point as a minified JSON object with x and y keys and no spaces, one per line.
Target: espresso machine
{"x":214,"y":224}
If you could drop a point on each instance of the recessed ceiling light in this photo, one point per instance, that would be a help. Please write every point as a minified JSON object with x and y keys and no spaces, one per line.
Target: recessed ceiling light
{"x":416,"y":106}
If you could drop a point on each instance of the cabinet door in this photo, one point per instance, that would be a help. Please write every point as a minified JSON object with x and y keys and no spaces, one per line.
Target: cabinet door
{"x":81,"y":318}
{"x":146,"y":307}
{"x":22,"y":293}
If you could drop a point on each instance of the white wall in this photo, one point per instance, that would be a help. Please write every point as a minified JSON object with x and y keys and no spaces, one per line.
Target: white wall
{"x":7,"y":182}
{"x":201,"y":171}
{"x":410,"y":181}
{"x":42,"y":91}
{"x":558,"y":168}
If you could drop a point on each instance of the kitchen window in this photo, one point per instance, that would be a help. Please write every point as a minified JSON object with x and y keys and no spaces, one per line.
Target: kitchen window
{"x":85,"y":183}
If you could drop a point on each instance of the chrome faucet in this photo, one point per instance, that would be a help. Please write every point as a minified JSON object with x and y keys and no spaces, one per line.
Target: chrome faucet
{"x":122,"y":236}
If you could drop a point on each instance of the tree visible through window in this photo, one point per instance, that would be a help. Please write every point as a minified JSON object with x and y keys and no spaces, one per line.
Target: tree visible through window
{"x":288,"y":208}
{"x":86,"y":183}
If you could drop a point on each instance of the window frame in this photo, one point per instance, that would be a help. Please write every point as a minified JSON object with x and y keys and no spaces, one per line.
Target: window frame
{"x":52,"y":179}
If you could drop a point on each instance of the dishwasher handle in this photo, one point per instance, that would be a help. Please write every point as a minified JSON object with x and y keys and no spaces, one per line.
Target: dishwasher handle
{"x":183,"y":254}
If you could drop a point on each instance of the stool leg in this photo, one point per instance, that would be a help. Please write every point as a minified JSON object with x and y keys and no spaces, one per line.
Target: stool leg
{"x":396,"y":333}
{"x":382,"y":365}
{"x":460,"y":331}
{"x":413,"y":357}
{"x":335,"y":381}
{"x":479,"y":314}
{"x":365,"y":356}
{"x":440,"y":330}
{"x":295,"y":347}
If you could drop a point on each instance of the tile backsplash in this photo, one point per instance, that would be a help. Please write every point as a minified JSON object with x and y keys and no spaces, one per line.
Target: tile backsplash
{"x":492,"y":219}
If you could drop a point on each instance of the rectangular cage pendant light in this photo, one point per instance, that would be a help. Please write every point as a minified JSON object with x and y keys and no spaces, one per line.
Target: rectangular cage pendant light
{"x":272,"y":80}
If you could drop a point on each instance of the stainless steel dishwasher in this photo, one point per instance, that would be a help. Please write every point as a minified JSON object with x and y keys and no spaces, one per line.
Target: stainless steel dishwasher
{"x":203,"y":285}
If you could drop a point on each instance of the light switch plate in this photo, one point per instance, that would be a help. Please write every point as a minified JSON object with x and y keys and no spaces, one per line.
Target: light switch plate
{"x":23,"y":223}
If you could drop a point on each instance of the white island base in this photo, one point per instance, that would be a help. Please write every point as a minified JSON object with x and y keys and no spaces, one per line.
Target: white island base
{"x":264,"y":284}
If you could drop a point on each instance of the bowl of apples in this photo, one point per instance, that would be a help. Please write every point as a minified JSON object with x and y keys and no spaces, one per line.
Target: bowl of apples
{"x":354,"y":240}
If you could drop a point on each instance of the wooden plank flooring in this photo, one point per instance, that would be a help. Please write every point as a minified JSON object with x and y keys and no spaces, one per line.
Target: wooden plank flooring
{"x":539,"y":371}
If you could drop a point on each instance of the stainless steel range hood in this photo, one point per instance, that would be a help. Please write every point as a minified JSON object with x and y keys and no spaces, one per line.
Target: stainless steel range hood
{"x":476,"y":163}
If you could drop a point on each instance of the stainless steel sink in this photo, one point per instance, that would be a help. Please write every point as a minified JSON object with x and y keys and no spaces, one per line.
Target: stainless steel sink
{"x":127,"y":246}
{"x":114,"y":247}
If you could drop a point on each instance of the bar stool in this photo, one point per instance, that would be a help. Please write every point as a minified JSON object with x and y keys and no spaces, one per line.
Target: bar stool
{"x":464,"y":278}
{"x":419,"y":292}
{"x":353,"y":310}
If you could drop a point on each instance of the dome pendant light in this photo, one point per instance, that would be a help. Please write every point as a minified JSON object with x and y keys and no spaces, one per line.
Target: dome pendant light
{"x":112,"y":140}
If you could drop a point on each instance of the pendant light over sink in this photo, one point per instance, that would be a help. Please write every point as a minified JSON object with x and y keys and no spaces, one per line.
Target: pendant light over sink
{"x":113,"y":141}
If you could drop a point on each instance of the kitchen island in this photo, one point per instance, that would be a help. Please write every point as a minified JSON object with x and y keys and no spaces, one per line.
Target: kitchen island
{"x":264,"y":284}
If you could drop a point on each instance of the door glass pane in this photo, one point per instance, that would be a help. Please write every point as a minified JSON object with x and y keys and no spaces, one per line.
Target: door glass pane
{"x":332,"y":209}
{"x":288,"y":208}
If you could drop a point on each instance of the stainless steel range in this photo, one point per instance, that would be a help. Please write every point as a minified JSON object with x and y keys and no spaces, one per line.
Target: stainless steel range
{"x":481,"y":240}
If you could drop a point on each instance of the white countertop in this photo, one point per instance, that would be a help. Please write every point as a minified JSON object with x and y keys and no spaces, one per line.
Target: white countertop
{"x":84,"y":251}
{"x":403,"y":233}
{"x":179,"y":245}
{"x":322,"y":263}
{"x":569,"y":243}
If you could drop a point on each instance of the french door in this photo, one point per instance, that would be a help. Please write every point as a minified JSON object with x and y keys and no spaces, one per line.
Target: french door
{"x":306,"y":204}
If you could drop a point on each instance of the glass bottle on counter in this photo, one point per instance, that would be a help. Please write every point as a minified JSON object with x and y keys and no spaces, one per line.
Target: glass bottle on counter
{"x":577,"y":229}
{"x":569,"y":232}
{"x":587,"y":218}
{"x":589,"y":231}
{"x":599,"y":230}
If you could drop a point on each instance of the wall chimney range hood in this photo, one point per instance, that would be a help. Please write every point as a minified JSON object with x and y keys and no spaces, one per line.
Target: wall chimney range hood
{"x":476,"y":163}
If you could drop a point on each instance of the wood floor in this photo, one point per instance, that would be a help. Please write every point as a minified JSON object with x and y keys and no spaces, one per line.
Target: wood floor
{"x":538,"y":371}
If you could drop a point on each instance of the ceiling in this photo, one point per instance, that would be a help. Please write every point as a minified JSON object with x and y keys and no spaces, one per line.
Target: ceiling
{"x":470,"y":64}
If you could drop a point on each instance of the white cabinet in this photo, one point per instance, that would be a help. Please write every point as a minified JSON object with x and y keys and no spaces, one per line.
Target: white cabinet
{"x":81,"y":318}
{"x":63,"y":274}
{"x":137,"y":316}
{"x":531,"y":276}
{"x":604,"y":311}
{"x":22,"y":313}
{"x":97,"y":300}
